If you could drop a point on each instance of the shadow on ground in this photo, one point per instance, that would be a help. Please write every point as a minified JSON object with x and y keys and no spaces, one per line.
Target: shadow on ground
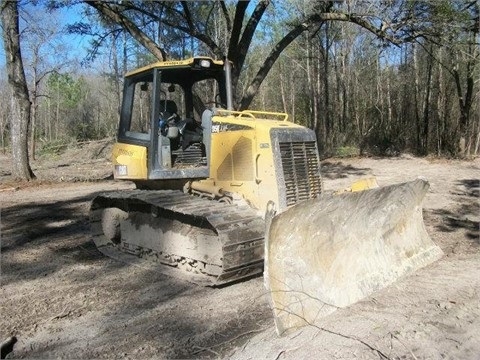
{"x":338,"y":170}
{"x":129,"y":310}
{"x":466,"y":213}
{"x":32,"y":222}
{"x":39,"y":238}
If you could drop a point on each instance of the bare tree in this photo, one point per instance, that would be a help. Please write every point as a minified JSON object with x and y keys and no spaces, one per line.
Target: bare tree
{"x":186,"y":17}
{"x":20,"y":102}
{"x":38,"y":41}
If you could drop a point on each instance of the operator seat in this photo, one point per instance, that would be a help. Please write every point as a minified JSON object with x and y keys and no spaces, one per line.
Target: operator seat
{"x":169,"y":119}
{"x":168,"y":108}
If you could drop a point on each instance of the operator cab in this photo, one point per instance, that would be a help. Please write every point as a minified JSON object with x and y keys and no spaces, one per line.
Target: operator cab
{"x":163,"y":110}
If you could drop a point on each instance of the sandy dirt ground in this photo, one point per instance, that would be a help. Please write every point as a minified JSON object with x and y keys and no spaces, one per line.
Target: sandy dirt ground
{"x":62,"y":299}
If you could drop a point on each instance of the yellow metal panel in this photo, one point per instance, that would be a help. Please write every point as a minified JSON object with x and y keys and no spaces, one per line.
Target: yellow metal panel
{"x":242,"y":153}
{"x":242,"y":160}
{"x":365,"y":184}
{"x":130,"y":161}
{"x":232,"y":157}
{"x":360,"y":185}
{"x":266,"y":176}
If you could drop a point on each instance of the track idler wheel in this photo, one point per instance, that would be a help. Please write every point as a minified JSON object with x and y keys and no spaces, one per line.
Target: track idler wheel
{"x":111,"y":219}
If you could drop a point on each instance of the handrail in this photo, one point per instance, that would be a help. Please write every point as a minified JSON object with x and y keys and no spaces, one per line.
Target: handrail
{"x":251,"y":113}
{"x":270,"y":113}
{"x":233,"y":112}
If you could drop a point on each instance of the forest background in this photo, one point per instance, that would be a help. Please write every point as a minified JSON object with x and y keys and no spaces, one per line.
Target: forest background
{"x":375,"y":77}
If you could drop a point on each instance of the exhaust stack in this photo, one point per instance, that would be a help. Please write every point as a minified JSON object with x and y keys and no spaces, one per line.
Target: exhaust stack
{"x":228,"y":83}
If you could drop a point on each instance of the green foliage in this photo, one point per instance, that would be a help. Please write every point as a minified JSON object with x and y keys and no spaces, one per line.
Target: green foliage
{"x":73,"y":101}
{"x":144,"y":59}
{"x":65,"y":90}
{"x":54,"y":147}
{"x":347,"y":151}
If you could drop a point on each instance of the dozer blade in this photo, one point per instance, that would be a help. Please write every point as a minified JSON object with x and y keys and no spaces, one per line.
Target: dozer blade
{"x":330,"y":252}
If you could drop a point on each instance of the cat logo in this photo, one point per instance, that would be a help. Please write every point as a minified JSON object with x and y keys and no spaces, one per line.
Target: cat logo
{"x":222,"y":127}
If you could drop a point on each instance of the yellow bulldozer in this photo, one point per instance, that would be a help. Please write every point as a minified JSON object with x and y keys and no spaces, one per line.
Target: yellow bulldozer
{"x":219,"y":190}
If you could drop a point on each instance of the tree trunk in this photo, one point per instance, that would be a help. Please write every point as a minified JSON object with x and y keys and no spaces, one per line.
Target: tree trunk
{"x":282,"y":91}
{"x":418,"y":124}
{"x":426,"y":108}
{"x":20,"y":103}
{"x":33,"y":127}
{"x":329,"y":131}
{"x":440,"y":106}
{"x":312,"y":118}
{"x":2,"y":133}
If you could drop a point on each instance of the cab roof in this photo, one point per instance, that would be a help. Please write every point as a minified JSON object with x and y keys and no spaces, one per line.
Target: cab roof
{"x":192,"y":63}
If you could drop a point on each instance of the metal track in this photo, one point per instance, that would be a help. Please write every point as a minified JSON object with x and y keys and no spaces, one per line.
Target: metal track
{"x":217,"y":243}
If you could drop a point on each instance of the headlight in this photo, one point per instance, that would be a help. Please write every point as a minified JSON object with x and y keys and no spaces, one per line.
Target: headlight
{"x":205,"y":63}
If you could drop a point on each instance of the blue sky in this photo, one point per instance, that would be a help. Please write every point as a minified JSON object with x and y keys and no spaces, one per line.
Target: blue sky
{"x":60,"y":18}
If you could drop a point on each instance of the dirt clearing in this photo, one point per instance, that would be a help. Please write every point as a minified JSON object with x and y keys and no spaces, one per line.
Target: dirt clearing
{"x":61,"y":298}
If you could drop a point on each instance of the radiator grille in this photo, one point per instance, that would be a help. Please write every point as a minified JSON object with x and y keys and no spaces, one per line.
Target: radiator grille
{"x":301,"y":171}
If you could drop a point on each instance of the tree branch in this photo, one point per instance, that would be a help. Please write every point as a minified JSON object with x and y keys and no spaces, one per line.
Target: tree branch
{"x":207,"y":40}
{"x":360,"y":21}
{"x":268,"y":63}
{"x":247,"y":35}
{"x":313,"y":20}
{"x":237,"y":28}
{"x":228,"y":20}
{"x":120,"y":19}
{"x":188,"y":16}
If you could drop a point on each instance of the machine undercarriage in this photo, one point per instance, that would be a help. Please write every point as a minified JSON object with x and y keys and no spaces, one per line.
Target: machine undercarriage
{"x":217,"y":242}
